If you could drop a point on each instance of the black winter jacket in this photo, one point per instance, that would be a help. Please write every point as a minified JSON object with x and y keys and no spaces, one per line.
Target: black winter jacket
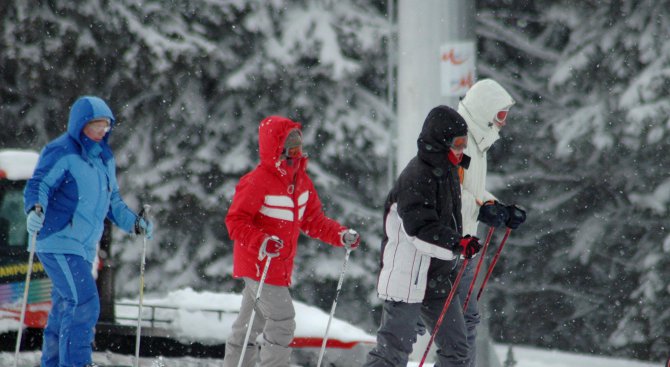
{"x":427,"y":195}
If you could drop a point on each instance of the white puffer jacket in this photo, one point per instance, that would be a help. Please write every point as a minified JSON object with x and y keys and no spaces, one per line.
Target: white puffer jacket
{"x":479,"y":107}
{"x":406,"y":261}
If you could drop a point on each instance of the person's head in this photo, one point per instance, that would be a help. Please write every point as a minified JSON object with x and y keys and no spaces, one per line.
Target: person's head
{"x":444,"y":132}
{"x":279,"y":140}
{"x":485,"y":107}
{"x":91,"y":117}
{"x":293,"y":145}
{"x":458,"y":145}
{"x":97,"y":128}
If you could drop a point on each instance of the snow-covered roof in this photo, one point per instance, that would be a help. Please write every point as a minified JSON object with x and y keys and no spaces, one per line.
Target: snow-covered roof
{"x":17,"y":164}
{"x":189,"y":322}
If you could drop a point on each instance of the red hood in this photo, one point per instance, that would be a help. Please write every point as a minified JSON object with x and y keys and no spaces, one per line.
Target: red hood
{"x":271,"y":135}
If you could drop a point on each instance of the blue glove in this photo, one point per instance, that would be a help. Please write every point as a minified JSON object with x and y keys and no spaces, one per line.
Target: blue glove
{"x":144,"y":226}
{"x":35,"y":221}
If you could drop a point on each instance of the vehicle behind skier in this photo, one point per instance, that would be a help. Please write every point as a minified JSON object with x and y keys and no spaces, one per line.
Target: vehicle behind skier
{"x":16,"y":166}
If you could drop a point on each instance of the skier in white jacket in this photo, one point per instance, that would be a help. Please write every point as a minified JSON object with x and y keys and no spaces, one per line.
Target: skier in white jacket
{"x":484,"y":108}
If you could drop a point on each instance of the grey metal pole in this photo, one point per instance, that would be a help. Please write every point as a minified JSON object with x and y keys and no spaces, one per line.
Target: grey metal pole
{"x":424,"y":27}
{"x":391,"y":85}
{"x":26,"y":287}
{"x":253,"y":310}
{"x":332,"y":309}
{"x":144,"y":213}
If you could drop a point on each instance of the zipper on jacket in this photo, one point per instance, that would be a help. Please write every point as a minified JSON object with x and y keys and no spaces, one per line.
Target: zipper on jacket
{"x":418,"y":271}
{"x":296,"y":209}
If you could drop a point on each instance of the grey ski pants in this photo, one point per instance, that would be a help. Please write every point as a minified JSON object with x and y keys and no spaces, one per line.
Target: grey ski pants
{"x":470,"y":317}
{"x":275,"y":318}
{"x":400,"y":324}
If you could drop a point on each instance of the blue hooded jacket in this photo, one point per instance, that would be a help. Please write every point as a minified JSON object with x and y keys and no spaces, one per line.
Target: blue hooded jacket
{"x":75,"y":184}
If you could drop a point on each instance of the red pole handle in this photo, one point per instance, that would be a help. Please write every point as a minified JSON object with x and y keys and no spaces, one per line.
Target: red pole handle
{"x":479,"y":265}
{"x":493,"y":262}
{"x":444,"y":310}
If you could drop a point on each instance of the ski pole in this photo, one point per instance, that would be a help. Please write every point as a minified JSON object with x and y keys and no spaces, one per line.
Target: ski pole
{"x":479,"y":265}
{"x":24,"y":303}
{"x":332,"y":309}
{"x":253,"y":310}
{"x":144,"y":213}
{"x":493,"y":262}
{"x":454,"y":287}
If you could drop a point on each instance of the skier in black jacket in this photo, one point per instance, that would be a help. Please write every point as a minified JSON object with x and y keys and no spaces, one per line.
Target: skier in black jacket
{"x":422,"y":244}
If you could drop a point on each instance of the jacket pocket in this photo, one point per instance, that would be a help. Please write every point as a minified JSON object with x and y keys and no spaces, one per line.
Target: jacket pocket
{"x":420,"y":273}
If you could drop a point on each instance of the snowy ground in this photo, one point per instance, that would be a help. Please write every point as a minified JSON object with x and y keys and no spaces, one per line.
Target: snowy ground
{"x":534,"y":357}
{"x":525,"y":357}
{"x":190,"y":322}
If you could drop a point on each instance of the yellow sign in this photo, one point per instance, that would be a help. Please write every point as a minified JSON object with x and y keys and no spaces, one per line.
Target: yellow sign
{"x":19,"y":269}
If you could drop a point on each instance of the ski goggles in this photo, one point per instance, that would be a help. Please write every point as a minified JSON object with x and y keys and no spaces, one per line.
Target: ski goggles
{"x":501,"y":117}
{"x":99,"y":125}
{"x":293,"y":152}
{"x":459,"y":142}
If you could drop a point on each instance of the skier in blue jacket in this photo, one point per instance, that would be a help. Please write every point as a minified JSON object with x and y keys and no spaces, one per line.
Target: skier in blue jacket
{"x":71,"y":192}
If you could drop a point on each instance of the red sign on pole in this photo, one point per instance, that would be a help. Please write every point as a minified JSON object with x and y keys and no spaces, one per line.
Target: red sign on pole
{"x":457,"y":68}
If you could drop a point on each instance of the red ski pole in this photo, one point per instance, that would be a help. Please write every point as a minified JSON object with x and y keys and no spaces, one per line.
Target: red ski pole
{"x":454,"y":287}
{"x":479,"y":265}
{"x":493,"y":262}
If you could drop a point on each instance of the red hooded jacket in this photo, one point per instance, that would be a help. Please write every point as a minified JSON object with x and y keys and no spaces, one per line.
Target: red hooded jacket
{"x":270,"y":200}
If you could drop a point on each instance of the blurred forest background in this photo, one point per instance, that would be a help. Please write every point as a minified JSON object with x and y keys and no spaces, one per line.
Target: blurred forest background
{"x":189,"y":80}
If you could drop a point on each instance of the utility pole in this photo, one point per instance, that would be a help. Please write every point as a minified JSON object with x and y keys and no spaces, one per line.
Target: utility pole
{"x":436,"y":43}
{"x":436,"y":66}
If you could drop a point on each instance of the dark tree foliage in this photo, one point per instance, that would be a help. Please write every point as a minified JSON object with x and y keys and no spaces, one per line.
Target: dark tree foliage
{"x":584,"y":153}
{"x":189,"y":81}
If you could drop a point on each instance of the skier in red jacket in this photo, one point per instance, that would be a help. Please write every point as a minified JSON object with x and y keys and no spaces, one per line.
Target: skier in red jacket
{"x":272,"y":204}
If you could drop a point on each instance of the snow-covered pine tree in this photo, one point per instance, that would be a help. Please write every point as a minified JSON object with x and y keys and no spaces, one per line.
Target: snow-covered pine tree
{"x":585,"y":152}
{"x":189,"y":82}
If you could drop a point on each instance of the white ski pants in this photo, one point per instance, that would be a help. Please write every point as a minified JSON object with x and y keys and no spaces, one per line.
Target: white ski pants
{"x":275,"y":319}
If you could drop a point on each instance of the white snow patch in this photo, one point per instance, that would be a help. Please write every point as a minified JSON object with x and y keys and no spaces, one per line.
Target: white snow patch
{"x":207,"y":317}
{"x":18,"y":164}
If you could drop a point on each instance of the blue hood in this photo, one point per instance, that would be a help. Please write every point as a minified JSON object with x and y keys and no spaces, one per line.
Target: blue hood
{"x":83,"y":110}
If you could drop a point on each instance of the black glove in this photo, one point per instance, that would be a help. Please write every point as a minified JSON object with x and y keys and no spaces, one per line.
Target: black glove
{"x":493,"y":214}
{"x":516,"y":216}
{"x":468,"y":246}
